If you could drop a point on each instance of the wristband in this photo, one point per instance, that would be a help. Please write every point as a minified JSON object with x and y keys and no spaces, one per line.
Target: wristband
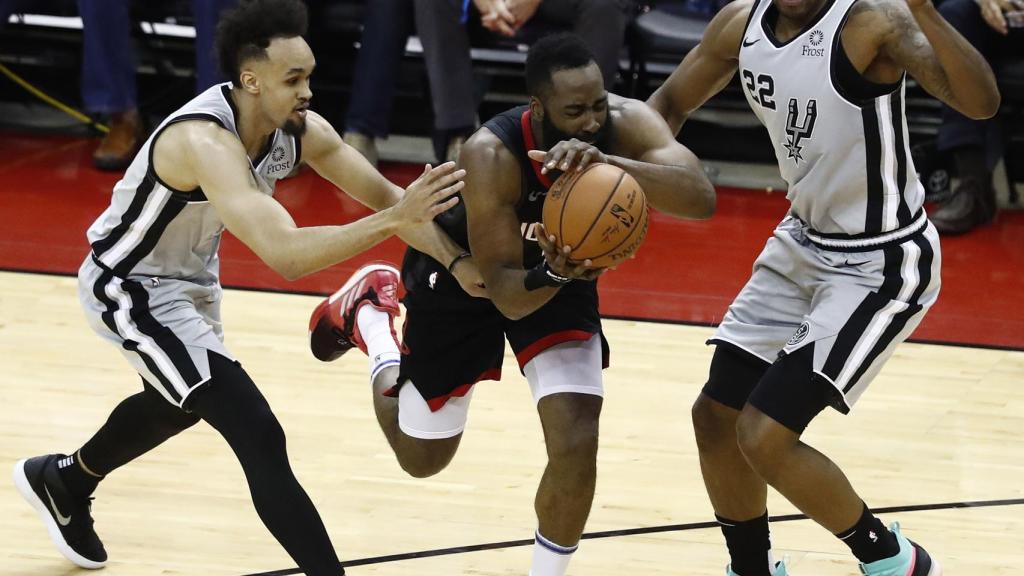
{"x":542,"y":275}
{"x":463,"y":256}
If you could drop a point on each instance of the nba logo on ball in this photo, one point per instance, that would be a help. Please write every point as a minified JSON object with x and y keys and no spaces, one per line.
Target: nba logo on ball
{"x":600,"y":211}
{"x":799,"y":335}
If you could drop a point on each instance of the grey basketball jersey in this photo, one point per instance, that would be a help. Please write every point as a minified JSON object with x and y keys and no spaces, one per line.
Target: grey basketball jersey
{"x":840,"y":140}
{"x":155,"y":231}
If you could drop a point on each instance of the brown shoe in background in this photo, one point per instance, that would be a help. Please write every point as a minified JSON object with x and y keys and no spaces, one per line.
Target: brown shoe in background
{"x":119,"y":146}
{"x":364,"y":144}
{"x":454,"y":148}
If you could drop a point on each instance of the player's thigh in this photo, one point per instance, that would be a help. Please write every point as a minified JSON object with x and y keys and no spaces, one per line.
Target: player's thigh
{"x":446,"y":350}
{"x":566,"y":382}
{"x":865,"y":306}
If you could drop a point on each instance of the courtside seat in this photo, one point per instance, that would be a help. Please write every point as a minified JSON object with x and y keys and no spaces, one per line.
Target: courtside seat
{"x":661,"y":35}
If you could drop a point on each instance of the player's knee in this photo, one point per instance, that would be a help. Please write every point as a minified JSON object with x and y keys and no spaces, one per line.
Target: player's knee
{"x":576,"y":445}
{"x":763,"y":442}
{"x":423,"y":467}
{"x":264,"y":433}
{"x":714,"y":424}
{"x":422,"y":459}
{"x":179,"y":424}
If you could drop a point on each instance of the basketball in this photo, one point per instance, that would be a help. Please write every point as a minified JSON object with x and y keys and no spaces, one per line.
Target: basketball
{"x":600,"y":212}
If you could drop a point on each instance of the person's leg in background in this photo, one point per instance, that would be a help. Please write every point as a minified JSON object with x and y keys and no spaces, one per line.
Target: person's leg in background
{"x":973,"y":144}
{"x":601,"y":24}
{"x":205,"y":14}
{"x":108,"y":79}
{"x":386,"y":27}
{"x":450,"y":70}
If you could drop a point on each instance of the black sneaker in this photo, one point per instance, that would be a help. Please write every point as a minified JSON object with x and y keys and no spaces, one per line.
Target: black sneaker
{"x":67,"y":518}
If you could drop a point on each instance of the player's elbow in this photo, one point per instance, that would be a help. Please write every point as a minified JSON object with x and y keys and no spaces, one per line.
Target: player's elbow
{"x":697,"y":204}
{"x":990,"y":106}
{"x":285,"y":266}
{"x":511,"y":310}
{"x":709,"y":202}
{"x":510,"y":307}
{"x":289,"y":271}
{"x":982,"y":107}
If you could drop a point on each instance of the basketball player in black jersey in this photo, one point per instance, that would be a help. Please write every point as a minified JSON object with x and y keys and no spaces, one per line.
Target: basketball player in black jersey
{"x":546,"y":306}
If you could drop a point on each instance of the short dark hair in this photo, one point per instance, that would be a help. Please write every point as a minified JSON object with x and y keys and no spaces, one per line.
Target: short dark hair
{"x":562,"y":51}
{"x":245,"y":31}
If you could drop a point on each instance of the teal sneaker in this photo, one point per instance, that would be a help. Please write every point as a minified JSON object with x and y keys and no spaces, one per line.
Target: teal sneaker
{"x":911,"y":561}
{"x":780,"y":570}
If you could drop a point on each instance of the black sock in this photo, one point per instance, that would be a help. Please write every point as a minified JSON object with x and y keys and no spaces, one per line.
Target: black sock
{"x":135,"y":426}
{"x":869,"y":539}
{"x":749,"y":543}
{"x":79,"y":482}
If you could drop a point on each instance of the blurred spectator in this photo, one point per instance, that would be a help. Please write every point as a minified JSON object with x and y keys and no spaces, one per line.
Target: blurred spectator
{"x":600,"y":23}
{"x":387,"y":25}
{"x":994,"y":27}
{"x":441,"y":25}
{"x":108,"y":71}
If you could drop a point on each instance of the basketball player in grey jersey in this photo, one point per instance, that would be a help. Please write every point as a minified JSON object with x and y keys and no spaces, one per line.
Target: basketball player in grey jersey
{"x":150,"y":283}
{"x":848,"y":273}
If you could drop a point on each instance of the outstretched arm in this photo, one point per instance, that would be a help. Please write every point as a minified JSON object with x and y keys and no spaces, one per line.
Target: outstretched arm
{"x":923,"y":43}
{"x":214,"y":159}
{"x":706,"y":69}
{"x":336,"y":161}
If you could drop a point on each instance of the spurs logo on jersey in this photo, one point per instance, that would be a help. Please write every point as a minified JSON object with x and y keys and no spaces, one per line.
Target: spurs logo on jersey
{"x":841,"y":141}
{"x":799,"y":131}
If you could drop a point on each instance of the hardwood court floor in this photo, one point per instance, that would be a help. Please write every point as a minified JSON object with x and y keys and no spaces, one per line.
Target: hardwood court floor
{"x":940,"y":425}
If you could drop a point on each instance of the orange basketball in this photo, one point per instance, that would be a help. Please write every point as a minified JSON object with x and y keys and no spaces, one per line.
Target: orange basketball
{"x":601,"y":212}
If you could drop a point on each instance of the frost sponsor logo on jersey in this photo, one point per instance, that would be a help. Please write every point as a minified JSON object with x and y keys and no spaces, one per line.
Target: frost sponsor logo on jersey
{"x":277,"y":155}
{"x":816,"y":38}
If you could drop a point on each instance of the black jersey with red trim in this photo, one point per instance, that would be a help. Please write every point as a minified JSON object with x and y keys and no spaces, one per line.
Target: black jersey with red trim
{"x":514,"y":130}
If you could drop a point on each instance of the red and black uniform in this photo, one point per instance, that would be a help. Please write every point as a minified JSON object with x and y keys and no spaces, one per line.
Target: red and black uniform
{"x":453,"y":340}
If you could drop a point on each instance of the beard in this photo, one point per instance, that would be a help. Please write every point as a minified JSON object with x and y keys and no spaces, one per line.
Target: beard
{"x":295,"y":128}
{"x":552,"y":135}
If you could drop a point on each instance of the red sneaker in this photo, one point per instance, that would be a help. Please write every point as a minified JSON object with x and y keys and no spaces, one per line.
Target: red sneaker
{"x":333,"y":329}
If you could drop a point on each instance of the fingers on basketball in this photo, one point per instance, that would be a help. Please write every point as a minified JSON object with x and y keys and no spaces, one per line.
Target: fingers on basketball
{"x":601,"y":212}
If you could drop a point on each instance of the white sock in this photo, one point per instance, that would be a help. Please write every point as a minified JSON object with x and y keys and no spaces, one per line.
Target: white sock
{"x":375,"y":328}
{"x":550,"y":559}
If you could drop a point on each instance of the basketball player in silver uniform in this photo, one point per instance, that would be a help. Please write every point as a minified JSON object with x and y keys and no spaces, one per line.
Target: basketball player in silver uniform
{"x":150,"y":284}
{"x":849,"y":272}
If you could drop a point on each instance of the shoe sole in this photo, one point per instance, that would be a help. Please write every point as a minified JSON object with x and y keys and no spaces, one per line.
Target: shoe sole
{"x":30,"y":496}
{"x":362,"y":273}
{"x":936,"y":569}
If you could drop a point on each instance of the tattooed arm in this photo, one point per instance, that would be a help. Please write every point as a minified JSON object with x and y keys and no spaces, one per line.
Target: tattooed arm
{"x":918,"y":39}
